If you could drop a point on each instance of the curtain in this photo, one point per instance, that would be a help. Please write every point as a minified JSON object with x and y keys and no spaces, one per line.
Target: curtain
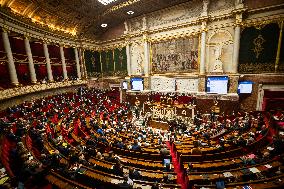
{"x":4,"y":72}
{"x":23,"y":73}
{"x":41,"y":72}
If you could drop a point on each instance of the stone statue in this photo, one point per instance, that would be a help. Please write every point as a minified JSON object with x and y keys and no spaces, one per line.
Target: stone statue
{"x":126,"y":26}
{"x":144,"y":23}
{"x":218,"y":64}
{"x":239,"y":2}
{"x":205,"y":8}
{"x":205,"y":5}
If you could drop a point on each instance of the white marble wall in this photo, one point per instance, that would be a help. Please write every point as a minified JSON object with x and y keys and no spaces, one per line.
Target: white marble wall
{"x":162,"y":84}
{"x":187,"y":85}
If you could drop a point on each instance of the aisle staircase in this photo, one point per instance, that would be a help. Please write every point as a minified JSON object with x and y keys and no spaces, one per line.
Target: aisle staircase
{"x":180,"y":173}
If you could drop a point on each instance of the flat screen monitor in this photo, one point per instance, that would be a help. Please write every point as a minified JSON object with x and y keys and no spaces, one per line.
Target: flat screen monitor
{"x":167,"y":161}
{"x":217,"y":84}
{"x":137,"y":84}
{"x":245,"y":87}
{"x":124,"y":85}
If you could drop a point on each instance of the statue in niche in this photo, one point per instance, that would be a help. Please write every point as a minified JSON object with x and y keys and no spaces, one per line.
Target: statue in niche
{"x":239,"y":2}
{"x":205,"y":8}
{"x":218,"y":64}
{"x":139,"y":64}
{"x":126,"y":26}
{"x":205,"y":5}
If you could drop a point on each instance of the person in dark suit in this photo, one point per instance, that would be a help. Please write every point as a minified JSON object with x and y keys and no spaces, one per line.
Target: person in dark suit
{"x":124,"y":184}
{"x":134,"y":174}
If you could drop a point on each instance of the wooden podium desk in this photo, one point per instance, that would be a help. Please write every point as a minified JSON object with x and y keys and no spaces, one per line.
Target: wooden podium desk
{"x":163,"y":111}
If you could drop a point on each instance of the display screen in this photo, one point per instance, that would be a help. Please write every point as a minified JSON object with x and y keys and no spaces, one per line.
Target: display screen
{"x":166,"y":161}
{"x":137,"y":84}
{"x":124,"y":85}
{"x":217,"y":84}
{"x":245,"y":87}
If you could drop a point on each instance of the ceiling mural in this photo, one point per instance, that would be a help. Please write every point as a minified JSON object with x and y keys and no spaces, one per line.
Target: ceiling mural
{"x":84,"y":18}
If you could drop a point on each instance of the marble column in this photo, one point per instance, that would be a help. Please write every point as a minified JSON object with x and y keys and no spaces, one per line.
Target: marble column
{"x":30,"y":58}
{"x":65,"y":76}
{"x":202,"y":53}
{"x":48,"y":65}
{"x":237,"y":37}
{"x":11,"y":63}
{"x":146,"y":56}
{"x":128,"y":59}
{"x":77,"y":63}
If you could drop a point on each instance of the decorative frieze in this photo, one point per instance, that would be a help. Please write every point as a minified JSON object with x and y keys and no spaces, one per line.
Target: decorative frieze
{"x":18,"y":91}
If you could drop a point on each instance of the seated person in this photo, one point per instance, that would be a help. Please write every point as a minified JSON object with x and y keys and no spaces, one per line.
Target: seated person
{"x":220,"y":184}
{"x":110,"y":157}
{"x":125,"y":184}
{"x":136,"y":146}
{"x":196,"y":150}
{"x":134,"y":174}
{"x":118,"y":169}
{"x":168,"y":167}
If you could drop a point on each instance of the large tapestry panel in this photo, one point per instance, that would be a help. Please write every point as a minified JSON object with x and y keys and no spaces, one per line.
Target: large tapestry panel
{"x":89,"y":62}
{"x":258,"y":49}
{"x":106,"y":63}
{"x":179,"y":55}
{"x":120,"y":61}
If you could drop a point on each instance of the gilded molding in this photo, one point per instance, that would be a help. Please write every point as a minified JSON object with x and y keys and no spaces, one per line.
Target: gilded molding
{"x":120,"y":6}
{"x":174,"y":36}
{"x":18,"y":91}
{"x":262,"y":21}
{"x":264,"y":9}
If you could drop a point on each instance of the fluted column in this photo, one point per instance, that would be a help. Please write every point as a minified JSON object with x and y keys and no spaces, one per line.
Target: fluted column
{"x":237,"y":38}
{"x":11,"y":64}
{"x":77,"y":63}
{"x":204,"y":17}
{"x":48,"y":66}
{"x":202,"y":52}
{"x":65,"y":76}
{"x":128,"y":59}
{"x":146,"y":56}
{"x":30,"y":58}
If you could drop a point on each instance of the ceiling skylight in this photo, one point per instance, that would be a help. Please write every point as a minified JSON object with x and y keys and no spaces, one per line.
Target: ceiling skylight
{"x":106,"y":2}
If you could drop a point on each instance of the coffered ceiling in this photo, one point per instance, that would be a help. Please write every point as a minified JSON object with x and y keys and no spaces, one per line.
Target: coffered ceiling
{"x":84,"y":17}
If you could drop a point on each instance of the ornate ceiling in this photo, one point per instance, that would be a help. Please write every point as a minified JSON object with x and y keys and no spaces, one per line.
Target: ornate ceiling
{"x":84,"y":17}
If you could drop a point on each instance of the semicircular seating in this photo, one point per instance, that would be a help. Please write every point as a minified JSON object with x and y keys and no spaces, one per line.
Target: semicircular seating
{"x":90,"y":140}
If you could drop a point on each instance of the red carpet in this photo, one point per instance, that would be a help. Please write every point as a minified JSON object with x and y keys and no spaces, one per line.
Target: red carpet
{"x":180,"y":174}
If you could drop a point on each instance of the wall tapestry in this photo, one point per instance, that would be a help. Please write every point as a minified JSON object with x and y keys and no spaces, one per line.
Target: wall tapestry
{"x":258,"y":49}
{"x":179,"y":55}
{"x":106,"y":63}
{"x":92,"y":62}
